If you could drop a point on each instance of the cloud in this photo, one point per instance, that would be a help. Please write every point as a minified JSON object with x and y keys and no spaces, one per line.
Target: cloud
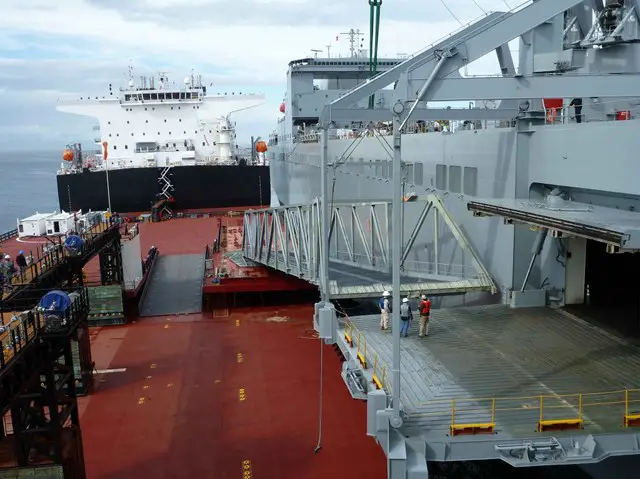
{"x":80,"y":46}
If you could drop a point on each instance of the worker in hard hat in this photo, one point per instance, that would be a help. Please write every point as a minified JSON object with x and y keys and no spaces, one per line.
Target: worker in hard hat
{"x":425,"y":311}
{"x":406,"y":315}
{"x":385,"y":310}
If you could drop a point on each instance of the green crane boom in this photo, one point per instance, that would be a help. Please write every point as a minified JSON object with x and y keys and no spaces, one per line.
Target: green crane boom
{"x":374,"y":28}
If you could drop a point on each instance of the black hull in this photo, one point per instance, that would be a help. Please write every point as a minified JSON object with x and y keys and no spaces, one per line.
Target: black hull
{"x":195,"y":187}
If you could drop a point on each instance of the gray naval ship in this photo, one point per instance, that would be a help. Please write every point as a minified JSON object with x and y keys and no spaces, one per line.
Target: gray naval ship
{"x":535,"y":205}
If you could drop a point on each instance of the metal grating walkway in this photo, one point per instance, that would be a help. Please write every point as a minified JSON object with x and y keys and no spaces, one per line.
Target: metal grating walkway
{"x":175,"y":286}
{"x":476,"y":355}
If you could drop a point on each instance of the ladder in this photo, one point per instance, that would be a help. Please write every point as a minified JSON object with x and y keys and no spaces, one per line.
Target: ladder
{"x":166,"y":190}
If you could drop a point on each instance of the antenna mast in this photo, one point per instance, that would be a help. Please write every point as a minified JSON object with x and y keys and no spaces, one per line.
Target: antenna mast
{"x":131,"y":84}
{"x":315,"y":52}
{"x":354,"y":39}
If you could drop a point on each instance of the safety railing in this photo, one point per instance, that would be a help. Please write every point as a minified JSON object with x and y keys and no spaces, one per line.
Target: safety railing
{"x":48,"y":256}
{"x":544,"y":413}
{"x":368,"y":359}
{"x":18,"y":329}
{"x":8,"y":235}
{"x":426,"y":268}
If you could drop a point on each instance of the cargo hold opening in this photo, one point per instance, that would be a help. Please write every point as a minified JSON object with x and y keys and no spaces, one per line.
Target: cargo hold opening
{"x":611,"y":290}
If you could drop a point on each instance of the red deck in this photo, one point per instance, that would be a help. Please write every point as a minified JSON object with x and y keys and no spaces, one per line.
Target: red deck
{"x":177,"y":410}
{"x":192,"y":396}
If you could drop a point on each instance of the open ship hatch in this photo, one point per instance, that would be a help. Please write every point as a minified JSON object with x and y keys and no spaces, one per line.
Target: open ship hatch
{"x":618,"y":228}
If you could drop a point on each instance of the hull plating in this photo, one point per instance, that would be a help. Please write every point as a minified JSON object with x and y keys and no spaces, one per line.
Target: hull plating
{"x":491,"y":163}
{"x":135,"y":189}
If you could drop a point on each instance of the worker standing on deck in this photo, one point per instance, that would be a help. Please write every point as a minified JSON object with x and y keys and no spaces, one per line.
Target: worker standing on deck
{"x":8,"y":270}
{"x":21,"y":262}
{"x":385,"y":310}
{"x":425,"y":311}
{"x":406,"y":316}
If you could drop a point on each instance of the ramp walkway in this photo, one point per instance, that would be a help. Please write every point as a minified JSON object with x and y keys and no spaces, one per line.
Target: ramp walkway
{"x":288,"y":239}
{"x":175,"y":287}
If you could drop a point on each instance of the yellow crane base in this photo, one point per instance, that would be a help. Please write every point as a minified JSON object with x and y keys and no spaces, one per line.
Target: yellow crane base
{"x":559,"y":424}
{"x":377,"y":381}
{"x":472,"y":429}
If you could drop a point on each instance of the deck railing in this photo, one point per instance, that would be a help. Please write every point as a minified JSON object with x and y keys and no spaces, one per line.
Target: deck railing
{"x":19,"y":329}
{"x":544,"y":412}
{"x":49,"y":255}
{"x":8,"y":235}
{"x":368,"y":359}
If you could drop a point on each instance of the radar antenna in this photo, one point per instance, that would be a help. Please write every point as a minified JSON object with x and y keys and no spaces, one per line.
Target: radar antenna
{"x":315,"y":52}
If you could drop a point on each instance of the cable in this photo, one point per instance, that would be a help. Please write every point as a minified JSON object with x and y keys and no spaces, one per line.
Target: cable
{"x":450,"y":11}
{"x":478,"y":5}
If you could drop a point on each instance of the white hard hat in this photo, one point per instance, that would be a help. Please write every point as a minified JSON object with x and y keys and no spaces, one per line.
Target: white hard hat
{"x":405,"y":300}
{"x":424,"y":296}
{"x":6,"y":256}
{"x":386,"y":293}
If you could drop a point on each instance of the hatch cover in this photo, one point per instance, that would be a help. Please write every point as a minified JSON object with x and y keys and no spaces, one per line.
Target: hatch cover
{"x":615,"y":227}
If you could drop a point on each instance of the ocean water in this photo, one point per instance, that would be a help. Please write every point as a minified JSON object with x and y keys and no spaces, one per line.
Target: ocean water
{"x":27,"y":185}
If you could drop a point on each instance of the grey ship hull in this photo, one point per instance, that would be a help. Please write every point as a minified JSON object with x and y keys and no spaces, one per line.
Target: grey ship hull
{"x":468,"y":165}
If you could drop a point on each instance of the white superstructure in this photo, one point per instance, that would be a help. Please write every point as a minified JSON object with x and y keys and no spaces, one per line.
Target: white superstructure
{"x":159,"y":123}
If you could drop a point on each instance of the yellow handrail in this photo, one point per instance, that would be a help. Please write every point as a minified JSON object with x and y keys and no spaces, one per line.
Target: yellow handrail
{"x":480,"y":415}
{"x":353,"y":335}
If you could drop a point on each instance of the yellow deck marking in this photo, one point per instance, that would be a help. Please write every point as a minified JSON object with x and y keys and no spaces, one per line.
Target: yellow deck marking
{"x":246,"y":469}
{"x":240,"y":357}
{"x":241,"y":395}
{"x":170,"y":385}
{"x":217,"y":381}
{"x":141,"y":401}
{"x":148,"y":377}
{"x":153,"y":366}
{"x":237,"y":322}
{"x":146,"y":386}
{"x":166,"y":326}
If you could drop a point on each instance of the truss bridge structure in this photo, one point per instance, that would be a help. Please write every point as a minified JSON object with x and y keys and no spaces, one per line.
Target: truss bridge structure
{"x":288,"y":239}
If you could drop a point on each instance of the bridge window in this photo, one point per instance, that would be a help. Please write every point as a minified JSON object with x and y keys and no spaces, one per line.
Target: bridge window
{"x":418,"y":174}
{"x":115,"y":147}
{"x":441,"y":177}
{"x":470,"y":181}
{"x":409,"y":172}
{"x":126,"y":147}
{"x":455,"y":179}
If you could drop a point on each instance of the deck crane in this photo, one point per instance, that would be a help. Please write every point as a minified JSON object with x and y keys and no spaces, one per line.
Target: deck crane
{"x":374,"y":28}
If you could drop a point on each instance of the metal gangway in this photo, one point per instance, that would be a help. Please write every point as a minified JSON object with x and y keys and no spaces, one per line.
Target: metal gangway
{"x":288,"y":238}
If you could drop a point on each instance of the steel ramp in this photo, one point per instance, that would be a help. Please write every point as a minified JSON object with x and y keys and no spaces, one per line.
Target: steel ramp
{"x":175,"y":287}
{"x":287,"y":238}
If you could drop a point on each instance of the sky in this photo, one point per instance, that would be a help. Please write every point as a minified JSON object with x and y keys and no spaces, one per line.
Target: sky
{"x":50,"y":49}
